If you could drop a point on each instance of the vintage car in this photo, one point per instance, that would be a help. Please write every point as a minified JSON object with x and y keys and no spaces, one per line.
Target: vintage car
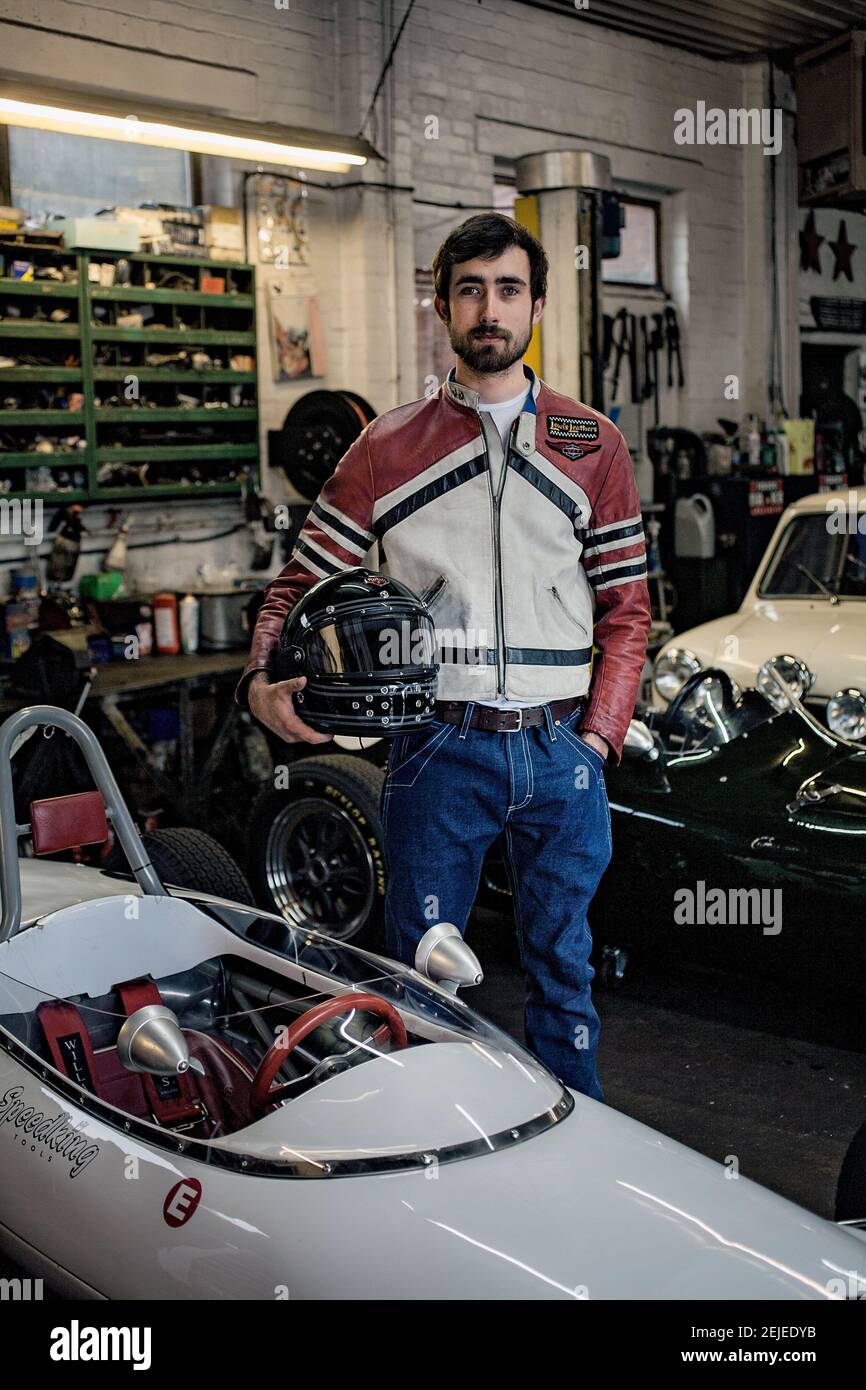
{"x":409,"y":1149}
{"x":808,"y":597}
{"x":738,"y":823}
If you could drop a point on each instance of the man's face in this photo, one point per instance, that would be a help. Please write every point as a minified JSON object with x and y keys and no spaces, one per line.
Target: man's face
{"x":490,"y":313}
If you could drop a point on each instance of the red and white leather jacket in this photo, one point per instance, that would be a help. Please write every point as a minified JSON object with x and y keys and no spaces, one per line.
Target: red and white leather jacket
{"x":523,"y":575}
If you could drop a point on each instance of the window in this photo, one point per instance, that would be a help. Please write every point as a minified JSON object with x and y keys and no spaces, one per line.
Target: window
{"x":638,"y":261}
{"x":75,"y":176}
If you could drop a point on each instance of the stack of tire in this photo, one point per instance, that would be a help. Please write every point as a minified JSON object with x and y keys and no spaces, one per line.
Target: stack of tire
{"x":315,"y":839}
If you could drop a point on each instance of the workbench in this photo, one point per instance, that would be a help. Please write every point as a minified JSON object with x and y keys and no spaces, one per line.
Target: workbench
{"x":178,"y":681}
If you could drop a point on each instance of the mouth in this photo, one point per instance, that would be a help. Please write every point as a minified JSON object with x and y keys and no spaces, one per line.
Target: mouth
{"x":488,"y":337}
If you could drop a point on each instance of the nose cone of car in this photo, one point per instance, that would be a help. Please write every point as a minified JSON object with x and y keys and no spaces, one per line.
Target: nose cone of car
{"x":151,"y":1041}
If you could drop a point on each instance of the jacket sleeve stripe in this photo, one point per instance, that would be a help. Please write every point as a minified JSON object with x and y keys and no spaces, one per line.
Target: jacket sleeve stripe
{"x":340,"y":534}
{"x":624,"y":521}
{"x":606,"y":536}
{"x":624,"y":543}
{"x":627,"y":577}
{"x":604,"y":576}
{"x":351,"y":531}
{"x":315,"y":559}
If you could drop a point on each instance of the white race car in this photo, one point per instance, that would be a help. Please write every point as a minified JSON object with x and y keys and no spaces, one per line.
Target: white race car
{"x":408,"y":1149}
{"x":808,"y":596}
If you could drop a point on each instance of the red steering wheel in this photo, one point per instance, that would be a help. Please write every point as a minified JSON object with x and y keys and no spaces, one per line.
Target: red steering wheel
{"x":262,"y":1095}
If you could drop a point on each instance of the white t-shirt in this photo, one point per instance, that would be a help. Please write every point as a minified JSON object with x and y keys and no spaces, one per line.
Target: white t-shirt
{"x":503,"y":414}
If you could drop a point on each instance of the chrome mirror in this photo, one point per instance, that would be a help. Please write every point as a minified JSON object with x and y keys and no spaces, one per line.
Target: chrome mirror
{"x":443,"y":957}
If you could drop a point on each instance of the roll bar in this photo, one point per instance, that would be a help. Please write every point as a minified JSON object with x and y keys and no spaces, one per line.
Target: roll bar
{"x":35,"y":716}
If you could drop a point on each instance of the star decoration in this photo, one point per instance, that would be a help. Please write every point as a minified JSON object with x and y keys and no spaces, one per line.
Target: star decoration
{"x":809,"y":244}
{"x":843,"y":250}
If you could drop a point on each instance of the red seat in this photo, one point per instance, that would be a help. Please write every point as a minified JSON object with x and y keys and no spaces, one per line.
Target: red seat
{"x":210,"y":1105}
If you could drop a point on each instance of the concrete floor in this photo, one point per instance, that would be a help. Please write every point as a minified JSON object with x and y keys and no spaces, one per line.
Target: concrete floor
{"x":724,"y":1065}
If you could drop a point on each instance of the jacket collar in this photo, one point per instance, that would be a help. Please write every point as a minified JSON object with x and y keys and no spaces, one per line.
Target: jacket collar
{"x":467,"y":398}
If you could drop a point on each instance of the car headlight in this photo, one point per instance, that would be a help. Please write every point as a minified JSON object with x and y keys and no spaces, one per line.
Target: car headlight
{"x":846,"y":714}
{"x":672,"y":669}
{"x":795,"y":675}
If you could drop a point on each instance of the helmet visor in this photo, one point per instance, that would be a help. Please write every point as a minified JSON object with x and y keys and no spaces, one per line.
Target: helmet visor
{"x":371,"y":644}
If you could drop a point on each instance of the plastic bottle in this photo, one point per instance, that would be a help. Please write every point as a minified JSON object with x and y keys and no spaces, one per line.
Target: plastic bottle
{"x":754,"y":443}
{"x":115,"y":561}
{"x":166,"y":630}
{"x":189,"y":618}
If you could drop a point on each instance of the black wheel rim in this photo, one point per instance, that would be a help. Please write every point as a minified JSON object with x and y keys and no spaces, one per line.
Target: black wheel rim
{"x":319,"y":868}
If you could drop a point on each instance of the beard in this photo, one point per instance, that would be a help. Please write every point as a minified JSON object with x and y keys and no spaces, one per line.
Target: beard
{"x":492,"y":357}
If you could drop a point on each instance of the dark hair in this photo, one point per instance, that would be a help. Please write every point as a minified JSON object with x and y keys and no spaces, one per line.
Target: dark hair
{"x":487,"y":235}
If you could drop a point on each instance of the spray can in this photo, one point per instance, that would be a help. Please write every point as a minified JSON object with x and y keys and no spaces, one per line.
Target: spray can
{"x":189,"y":616}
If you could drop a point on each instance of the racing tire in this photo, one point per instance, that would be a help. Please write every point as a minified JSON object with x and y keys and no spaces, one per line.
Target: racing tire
{"x":851,"y":1188}
{"x":316,"y":848}
{"x":187,"y":858}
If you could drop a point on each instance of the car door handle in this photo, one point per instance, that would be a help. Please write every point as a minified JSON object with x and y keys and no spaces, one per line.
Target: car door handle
{"x":812,"y":796}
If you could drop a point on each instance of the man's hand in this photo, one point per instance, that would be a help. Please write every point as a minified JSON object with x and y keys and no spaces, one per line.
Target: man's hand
{"x":596,"y":742}
{"x":272,"y":704}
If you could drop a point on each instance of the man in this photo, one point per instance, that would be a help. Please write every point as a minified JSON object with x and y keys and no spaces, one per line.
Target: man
{"x":515,"y":511}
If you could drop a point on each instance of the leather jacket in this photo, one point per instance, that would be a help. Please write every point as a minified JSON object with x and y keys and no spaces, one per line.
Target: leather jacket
{"x":526,"y":568}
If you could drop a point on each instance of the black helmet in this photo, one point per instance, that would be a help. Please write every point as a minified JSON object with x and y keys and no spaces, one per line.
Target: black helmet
{"x":367,"y":647}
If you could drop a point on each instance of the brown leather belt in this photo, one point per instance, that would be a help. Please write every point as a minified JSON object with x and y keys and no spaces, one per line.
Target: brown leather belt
{"x":506,"y":721}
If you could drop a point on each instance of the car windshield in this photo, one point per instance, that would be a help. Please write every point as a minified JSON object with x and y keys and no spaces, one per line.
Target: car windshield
{"x":810,"y":559}
{"x":314,"y":1058}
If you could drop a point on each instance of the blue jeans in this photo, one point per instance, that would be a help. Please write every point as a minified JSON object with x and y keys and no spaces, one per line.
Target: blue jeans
{"x":450,"y":791}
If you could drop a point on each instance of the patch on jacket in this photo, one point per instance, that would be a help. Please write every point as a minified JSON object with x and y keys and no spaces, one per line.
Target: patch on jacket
{"x":580,"y":427}
{"x":574,"y":451}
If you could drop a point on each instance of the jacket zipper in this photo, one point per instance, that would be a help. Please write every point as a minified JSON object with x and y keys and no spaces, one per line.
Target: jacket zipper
{"x":430,"y":595}
{"x":498,"y":600}
{"x":565,"y":609}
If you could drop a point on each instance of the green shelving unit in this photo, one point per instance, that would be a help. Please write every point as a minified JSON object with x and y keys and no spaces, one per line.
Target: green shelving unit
{"x":150,"y":430}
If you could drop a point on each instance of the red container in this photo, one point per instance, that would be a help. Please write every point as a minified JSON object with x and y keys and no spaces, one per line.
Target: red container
{"x":165,"y":624}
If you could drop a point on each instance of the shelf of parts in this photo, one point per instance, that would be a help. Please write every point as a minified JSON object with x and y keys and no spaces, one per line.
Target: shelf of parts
{"x":18,"y":328}
{"x":165,"y":415}
{"x":88,"y":375}
{"x":196,"y":337}
{"x":42,"y":417}
{"x":75,"y":458}
{"x":50,"y":289}
{"x":134,"y":294}
{"x":59,"y":495}
{"x":143,"y":452}
{"x":39,"y":374}
{"x":164,"y":374}
{"x":128,"y":494}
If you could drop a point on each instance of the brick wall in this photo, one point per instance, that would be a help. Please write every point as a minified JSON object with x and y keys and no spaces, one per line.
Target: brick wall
{"x":503,"y":79}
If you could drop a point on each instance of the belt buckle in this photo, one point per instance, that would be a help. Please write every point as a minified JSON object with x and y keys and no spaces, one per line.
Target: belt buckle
{"x":519,"y":713}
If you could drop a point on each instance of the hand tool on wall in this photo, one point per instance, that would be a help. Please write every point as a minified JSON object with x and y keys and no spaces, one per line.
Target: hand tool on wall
{"x":621,"y":346}
{"x":647,"y":382}
{"x":633,"y":361}
{"x":672,"y":334}
{"x":656,"y":343}
{"x":607,"y":340}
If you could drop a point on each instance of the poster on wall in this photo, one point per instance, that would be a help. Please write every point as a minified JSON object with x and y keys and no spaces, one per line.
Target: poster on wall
{"x":297,"y":342}
{"x":281,"y":223}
